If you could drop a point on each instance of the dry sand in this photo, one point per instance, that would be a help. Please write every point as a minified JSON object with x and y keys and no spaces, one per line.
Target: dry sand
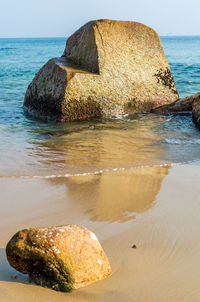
{"x":155,"y":208}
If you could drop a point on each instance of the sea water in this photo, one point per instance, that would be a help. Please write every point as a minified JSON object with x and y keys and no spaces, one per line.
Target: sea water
{"x":33,"y":148}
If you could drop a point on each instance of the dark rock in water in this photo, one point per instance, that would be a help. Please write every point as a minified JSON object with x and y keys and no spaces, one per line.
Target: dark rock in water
{"x":179,"y":106}
{"x":108,"y":68}
{"x":62,"y":258}
{"x":196,"y":111}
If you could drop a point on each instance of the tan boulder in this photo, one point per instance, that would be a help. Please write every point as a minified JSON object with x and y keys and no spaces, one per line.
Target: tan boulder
{"x":63,"y":258}
{"x":108,"y":68}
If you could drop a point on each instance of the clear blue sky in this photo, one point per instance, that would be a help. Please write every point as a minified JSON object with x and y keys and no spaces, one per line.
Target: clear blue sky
{"x":60,"y":18}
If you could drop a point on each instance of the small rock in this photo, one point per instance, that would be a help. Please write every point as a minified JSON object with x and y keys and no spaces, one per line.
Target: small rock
{"x":134,"y":246}
{"x":180,"y":106}
{"x":14,"y":277}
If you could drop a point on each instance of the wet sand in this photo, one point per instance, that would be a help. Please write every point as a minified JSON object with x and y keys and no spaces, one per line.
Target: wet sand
{"x":155,"y":208}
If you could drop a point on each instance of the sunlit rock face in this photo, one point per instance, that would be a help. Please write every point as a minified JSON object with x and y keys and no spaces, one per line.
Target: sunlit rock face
{"x":108,"y":68}
{"x":62,"y":258}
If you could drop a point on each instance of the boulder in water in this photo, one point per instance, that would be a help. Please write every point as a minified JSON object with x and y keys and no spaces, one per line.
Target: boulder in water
{"x":108,"y":68}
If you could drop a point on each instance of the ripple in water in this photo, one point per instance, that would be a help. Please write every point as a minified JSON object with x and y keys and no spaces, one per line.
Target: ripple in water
{"x":121,"y":143}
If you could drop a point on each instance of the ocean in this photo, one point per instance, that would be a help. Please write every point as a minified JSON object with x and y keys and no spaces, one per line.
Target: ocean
{"x":33,"y":148}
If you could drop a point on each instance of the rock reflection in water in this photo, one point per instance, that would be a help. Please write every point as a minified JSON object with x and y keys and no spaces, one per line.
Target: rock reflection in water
{"x":115,"y":196}
{"x":121,"y":145}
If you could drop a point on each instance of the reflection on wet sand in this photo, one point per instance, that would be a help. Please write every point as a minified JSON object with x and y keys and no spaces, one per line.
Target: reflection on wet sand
{"x":115,"y":196}
{"x":106,"y":196}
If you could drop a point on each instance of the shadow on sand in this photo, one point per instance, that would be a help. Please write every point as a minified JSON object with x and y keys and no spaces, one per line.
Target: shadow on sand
{"x":9,"y":274}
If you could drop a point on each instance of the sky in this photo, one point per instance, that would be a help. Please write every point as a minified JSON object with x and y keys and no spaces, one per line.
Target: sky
{"x":60,"y":18}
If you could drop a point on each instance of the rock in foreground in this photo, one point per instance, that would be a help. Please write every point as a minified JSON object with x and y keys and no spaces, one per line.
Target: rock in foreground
{"x":63,"y":258}
{"x":108,"y":68}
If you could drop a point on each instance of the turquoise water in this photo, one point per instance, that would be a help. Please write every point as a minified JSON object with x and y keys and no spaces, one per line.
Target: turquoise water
{"x":30,"y":147}
{"x":184,"y":58}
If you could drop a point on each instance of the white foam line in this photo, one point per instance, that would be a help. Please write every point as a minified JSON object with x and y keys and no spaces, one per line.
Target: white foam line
{"x":181,"y":142}
{"x":89,"y":173}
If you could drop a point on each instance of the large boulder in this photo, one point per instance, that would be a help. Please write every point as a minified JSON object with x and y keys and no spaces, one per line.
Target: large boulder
{"x":108,"y":68}
{"x":63,"y":258}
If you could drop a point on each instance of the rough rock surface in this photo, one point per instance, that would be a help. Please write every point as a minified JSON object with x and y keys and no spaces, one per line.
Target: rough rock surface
{"x":63,"y":258}
{"x":108,"y":68}
{"x":196,"y":111}
{"x":179,"y":106}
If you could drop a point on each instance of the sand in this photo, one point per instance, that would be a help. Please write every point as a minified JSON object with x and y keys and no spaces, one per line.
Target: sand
{"x":155,"y":208}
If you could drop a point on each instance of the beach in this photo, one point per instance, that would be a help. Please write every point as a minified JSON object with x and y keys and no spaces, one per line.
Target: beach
{"x":163,"y":224}
{"x":133,"y":180}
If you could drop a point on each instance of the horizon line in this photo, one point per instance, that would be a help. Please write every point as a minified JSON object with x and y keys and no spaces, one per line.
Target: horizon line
{"x":62,"y":37}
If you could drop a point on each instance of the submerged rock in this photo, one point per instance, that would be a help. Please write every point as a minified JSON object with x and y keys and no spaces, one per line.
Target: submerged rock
{"x":63,"y":258}
{"x":108,"y":68}
{"x":179,"y":106}
{"x":196,"y":111}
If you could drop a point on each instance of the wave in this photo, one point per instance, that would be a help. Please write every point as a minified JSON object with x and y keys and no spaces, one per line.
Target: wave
{"x":98,"y":172}
{"x":173,"y":141}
